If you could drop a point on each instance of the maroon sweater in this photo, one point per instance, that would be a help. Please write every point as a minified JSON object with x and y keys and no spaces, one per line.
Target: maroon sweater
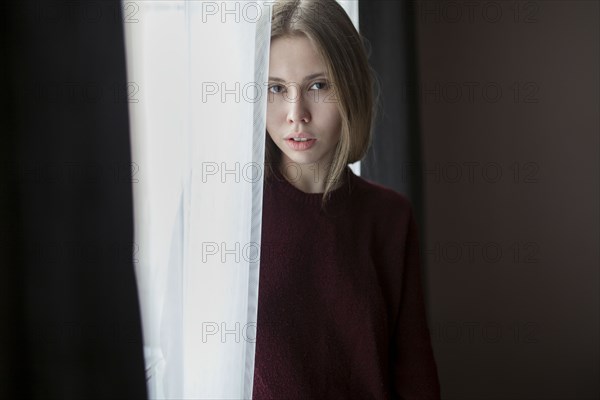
{"x":340,"y":309}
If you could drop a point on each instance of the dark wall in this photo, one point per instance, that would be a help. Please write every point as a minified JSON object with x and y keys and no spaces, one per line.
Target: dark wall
{"x":509,"y":116}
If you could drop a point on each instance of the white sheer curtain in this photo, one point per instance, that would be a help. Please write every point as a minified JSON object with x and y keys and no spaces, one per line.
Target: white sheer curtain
{"x":198,"y":73}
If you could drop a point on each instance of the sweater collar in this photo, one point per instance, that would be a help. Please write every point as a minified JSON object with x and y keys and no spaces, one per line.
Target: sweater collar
{"x":336,"y":197}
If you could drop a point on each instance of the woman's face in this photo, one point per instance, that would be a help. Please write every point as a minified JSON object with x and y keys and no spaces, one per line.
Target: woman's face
{"x":301,"y":100}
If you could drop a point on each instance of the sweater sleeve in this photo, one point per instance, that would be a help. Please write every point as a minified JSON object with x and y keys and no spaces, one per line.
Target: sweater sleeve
{"x":414,"y":370}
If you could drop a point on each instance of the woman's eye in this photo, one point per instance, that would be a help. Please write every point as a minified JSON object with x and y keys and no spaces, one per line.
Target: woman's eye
{"x":323,"y":85}
{"x":274,"y":86}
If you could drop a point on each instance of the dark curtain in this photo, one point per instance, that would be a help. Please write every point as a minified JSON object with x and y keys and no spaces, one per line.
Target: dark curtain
{"x":69,"y":313}
{"x":394,"y":159}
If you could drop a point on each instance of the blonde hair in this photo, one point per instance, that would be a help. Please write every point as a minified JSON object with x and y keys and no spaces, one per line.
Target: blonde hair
{"x":332,"y":33}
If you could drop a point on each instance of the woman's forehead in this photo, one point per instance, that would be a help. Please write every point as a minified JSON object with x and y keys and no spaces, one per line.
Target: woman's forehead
{"x":294,"y":59}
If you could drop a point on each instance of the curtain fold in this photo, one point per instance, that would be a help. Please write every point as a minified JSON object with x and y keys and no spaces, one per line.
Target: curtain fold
{"x":199,"y":133}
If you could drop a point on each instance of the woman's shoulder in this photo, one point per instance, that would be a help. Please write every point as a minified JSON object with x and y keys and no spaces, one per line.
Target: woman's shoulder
{"x":388,"y":212}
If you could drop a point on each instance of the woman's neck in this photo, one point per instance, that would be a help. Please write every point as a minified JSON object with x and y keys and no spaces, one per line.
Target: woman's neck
{"x":309,"y":178}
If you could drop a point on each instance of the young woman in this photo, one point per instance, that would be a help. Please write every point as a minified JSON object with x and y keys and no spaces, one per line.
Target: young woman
{"x":341,"y":312}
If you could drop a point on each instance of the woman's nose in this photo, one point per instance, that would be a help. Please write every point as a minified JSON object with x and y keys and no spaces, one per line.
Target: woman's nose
{"x":297,"y":110}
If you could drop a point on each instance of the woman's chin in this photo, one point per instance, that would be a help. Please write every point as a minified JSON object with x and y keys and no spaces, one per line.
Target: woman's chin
{"x":300,"y":159}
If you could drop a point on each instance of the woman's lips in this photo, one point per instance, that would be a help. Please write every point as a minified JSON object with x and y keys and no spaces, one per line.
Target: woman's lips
{"x":303,"y":135}
{"x":300,"y":146}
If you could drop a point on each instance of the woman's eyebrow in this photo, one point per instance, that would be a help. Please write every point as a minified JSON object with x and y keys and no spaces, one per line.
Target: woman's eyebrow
{"x":306,"y":78}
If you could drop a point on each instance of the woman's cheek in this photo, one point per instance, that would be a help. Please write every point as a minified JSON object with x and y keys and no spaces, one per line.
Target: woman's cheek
{"x":273,"y":112}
